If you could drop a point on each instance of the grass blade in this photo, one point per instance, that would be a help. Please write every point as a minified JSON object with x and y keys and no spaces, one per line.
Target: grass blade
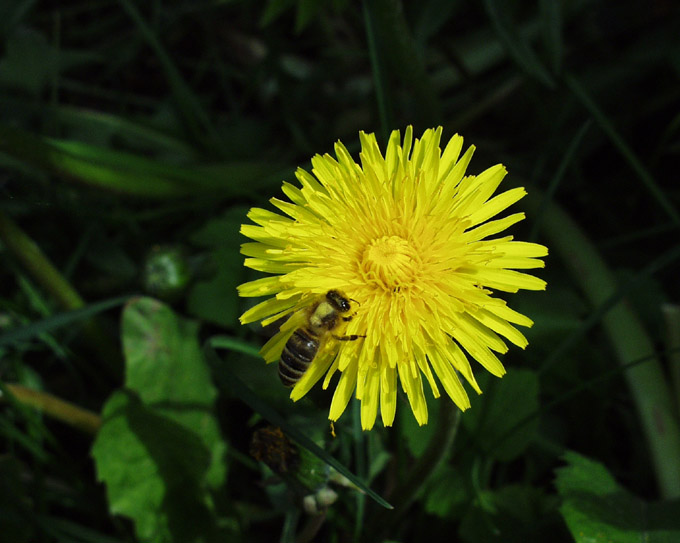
{"x":60,"y":320}
{"x":629,"y":156}
{"x":196,"y":118}
{"x":516,"y":45}
{"x":552,"y":33}
{"x":134,"y":175}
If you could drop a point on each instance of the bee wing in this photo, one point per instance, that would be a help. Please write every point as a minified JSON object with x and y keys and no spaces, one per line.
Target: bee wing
{"x":271,"y":351}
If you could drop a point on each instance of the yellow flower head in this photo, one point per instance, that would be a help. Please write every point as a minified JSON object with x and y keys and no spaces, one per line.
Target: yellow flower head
{"x":407,"y":238}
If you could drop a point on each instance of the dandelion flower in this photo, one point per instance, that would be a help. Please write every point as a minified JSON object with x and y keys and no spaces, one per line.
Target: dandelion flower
{"x":409,"y":238}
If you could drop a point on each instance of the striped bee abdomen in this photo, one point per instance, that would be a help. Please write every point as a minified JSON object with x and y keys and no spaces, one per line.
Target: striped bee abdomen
{"x":298,"y":353}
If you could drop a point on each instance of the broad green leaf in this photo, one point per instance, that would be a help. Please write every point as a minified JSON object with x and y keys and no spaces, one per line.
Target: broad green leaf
{"x":215,"y":299}
{"x":494,"y":414}
{"x":154,"y":470}
{"x":165,"y":367}
{"x":512,"y":514}
{"x":446,"y":492}
{"x":596,"y":508}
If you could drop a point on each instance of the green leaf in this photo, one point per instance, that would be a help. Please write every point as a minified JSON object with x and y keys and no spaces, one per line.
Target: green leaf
{"x":216,"y":298}
{"x":511,"y":514}
{"x":493,"y":415}
{"x":96,"y":126}
{"x":165,"y":367}
{"x":596,"y":508}
{"x":154,"y":470}
{"x":57,"y":321}
{"x":131,"y":174}
{"x":446,"y":492}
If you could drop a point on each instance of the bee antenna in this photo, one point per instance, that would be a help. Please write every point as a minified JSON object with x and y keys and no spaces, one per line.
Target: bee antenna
{"x":353,"y":300}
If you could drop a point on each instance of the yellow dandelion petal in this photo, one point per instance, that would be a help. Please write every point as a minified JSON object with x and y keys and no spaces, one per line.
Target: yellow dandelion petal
{"x":450,"y":381}
{"x":412,"y":247}
{"x":260,"y":287}
{"x":413,"y":386}
{"x":316,"y":371}
{"x":495,"y":205}
{"x":265,"y":309}
{"x":388,"y":394}
{"x":369,"y":404}
{"x":344,"y":390}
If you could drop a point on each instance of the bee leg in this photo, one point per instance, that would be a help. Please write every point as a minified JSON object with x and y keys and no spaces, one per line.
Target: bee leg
{"x":347,"y":319}
{"x":353,"y":337}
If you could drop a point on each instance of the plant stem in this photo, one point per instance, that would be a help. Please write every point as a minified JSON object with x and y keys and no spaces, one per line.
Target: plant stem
{"x":630,"y":341}
{"x":80,"y":418}
{"x":406,"y":493}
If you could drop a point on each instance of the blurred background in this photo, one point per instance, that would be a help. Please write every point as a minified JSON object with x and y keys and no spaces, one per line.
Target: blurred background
{"x":135,"y":136}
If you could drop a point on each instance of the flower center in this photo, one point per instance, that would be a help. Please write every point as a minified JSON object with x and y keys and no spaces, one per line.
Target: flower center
{"x":390,"y":262}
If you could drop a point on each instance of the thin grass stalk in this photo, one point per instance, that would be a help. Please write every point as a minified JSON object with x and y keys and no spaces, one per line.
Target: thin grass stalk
{"x":39,"y":267}
{"x":54,"y":407}
{"x":620,"y":144}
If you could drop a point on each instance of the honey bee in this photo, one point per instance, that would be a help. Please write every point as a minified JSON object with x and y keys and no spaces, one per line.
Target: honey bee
{"x":304,"y":344}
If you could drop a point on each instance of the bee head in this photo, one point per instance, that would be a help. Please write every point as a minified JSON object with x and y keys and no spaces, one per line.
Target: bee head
{"x":338,"y":301}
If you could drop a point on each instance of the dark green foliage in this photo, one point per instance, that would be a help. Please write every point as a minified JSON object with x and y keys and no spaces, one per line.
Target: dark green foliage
{"x":594,"y":505}
{"x":132,"y":131}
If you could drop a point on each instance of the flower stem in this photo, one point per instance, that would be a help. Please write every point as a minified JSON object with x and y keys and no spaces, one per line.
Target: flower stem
{"x":646,"y":381}
{"x":80,"y":418}
{"x":405,"y":494}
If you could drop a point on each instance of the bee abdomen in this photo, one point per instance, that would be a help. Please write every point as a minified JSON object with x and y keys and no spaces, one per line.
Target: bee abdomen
{"x":298,"y":353}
